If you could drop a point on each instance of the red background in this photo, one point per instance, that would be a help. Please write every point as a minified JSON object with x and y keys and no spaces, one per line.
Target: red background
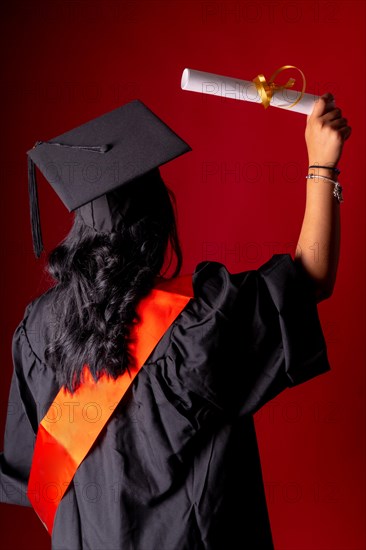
{"x":69,"y":61}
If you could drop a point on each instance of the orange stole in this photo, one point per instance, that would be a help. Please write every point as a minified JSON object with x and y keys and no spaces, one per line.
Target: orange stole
{"x":74,"y":421}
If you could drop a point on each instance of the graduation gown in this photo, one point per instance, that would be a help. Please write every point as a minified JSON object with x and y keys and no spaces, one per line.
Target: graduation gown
{"x":177,"y":466}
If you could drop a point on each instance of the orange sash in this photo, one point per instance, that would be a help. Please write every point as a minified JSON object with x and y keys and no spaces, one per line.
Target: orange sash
{"x":74,"y":421}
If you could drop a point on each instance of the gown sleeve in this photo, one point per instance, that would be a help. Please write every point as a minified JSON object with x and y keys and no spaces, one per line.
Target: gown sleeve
{"x":261,"y":332}
{"x":20,"y":426}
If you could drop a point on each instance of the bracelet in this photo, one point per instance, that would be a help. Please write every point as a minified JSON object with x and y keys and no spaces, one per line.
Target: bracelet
{"x":334,"y":169}
{"x":337,"y":191}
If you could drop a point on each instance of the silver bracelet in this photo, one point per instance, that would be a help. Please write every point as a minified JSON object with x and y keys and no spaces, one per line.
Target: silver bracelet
{"x":337,"y":191}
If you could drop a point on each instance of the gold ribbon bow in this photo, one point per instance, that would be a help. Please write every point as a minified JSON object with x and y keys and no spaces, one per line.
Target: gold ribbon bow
{"x":267,"y":89}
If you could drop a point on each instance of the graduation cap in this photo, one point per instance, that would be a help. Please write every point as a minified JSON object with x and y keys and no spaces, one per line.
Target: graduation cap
{"x":87,"y":164}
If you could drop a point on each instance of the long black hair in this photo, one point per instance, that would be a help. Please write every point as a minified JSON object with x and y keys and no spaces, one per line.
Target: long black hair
{"x":99,"y":280}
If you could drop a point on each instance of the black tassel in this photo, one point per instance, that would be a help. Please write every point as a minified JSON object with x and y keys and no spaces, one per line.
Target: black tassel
{"x":34,"y":209}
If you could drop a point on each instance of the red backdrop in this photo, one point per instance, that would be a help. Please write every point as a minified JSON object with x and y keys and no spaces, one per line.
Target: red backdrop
{"x":241,"y":197}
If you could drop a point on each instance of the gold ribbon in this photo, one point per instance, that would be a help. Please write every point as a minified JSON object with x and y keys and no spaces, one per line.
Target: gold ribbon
{"x":267,"y":89}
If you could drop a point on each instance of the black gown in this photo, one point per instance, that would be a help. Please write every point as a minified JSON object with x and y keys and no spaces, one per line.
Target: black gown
{"x":177,"y":466}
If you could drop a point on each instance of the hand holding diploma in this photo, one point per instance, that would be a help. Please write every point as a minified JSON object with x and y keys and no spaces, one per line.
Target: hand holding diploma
{"x":326,"y":132}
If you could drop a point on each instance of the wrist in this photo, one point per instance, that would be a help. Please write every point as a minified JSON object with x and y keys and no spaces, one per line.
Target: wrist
{"x":322,"y":163}
{"x":323,"y":172}
{"x":324,"y":169}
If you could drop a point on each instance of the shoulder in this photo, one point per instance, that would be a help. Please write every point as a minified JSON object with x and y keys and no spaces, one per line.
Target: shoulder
{"x":216,"y":286}
{"x":36,"y":323}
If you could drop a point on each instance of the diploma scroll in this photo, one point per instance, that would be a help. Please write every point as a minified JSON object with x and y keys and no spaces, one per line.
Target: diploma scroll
{"x":245,"y":90}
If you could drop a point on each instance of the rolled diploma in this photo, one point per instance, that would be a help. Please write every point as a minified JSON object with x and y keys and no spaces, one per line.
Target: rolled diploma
{"x":244,"y":90}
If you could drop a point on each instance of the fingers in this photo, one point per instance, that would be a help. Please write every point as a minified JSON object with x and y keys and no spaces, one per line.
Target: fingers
{"x":332,"y":115}
{"x":322,"y":105}
{"x":345,"y":132}
{"x":338,"y":123}
{"x":342,"y":128}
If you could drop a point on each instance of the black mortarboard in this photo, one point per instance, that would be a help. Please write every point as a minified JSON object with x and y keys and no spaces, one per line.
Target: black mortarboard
{"x":98,"y":157}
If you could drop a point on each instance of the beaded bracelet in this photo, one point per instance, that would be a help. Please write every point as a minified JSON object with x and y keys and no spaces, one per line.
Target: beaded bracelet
{"x":337,"y":191}
{"x":334,"y":169}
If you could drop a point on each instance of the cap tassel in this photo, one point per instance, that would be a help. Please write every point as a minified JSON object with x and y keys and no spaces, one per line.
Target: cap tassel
{"x":34,"y":209}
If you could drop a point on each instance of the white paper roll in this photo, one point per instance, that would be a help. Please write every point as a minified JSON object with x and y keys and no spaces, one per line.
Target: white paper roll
{"x":244,"y":90}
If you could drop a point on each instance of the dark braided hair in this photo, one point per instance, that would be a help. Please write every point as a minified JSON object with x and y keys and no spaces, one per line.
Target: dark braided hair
{"x":100,"y":278}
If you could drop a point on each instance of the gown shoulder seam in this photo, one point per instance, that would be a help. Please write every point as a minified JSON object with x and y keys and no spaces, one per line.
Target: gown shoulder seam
{"x":24,"y":332}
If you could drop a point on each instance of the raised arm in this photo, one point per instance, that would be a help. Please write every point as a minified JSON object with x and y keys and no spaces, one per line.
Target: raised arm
{"x":319,"y":242}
